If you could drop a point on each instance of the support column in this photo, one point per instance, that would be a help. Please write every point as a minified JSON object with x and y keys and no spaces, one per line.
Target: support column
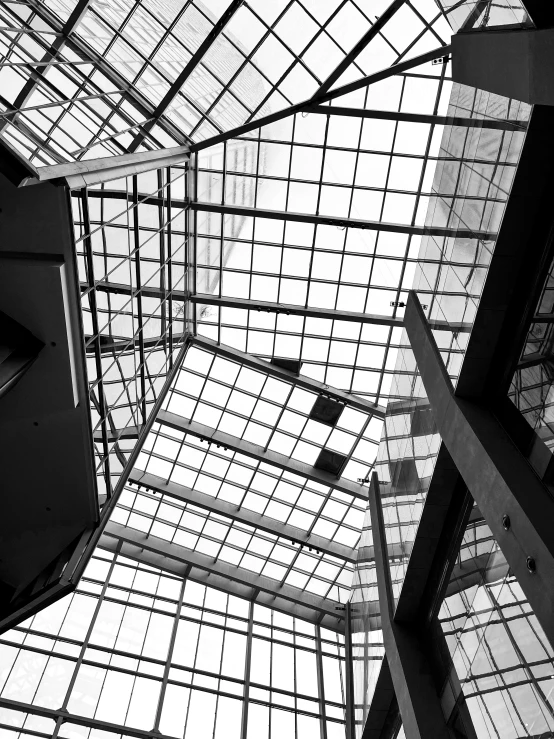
{"x":515,"y":63}
{"x":513,"y":500}
{"x":419,"y":705}
{"x":349,"y":673}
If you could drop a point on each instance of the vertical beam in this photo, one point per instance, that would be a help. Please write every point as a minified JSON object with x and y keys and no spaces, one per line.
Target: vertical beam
{"x":248,"y":662}
{"x":320,"y":683}
{"x":419,"y":705}
{"x":514,"y":502}
{"x":349,"y":673}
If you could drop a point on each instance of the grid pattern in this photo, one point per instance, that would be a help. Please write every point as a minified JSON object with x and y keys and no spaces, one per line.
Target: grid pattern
{"x":132,"y":268}
{"x":137,"y":650}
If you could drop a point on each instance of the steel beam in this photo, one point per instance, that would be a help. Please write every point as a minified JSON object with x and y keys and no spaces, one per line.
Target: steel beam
{"x":440,"y":120}
{"x":243,"y":515}
{"x":440,"y":231}
{"x":254,"y":451}
{"x":186,"y":72}
{"x":343,"y":90}
{"x":223,"y":576}
{"x":327,"y":313}
{"x":375,"y":29}
{"x":355,"y":401}
{"x":415,"y":691}
{"x":119,"y":288}
{"x":498,"y":476}
{"x":87,"y":172}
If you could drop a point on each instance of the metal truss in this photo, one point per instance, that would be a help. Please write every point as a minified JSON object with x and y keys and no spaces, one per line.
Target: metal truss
{"x":223,"y":576}
{"x":243,"y":515}
{"x":254,"y":451}
{"x":355,"y":401}
{"x":440,"y":231}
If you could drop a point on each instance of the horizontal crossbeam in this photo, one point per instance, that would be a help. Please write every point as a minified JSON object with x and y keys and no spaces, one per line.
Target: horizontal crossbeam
{"x":354,"y":401}
{"x":119,"y":288}
{"x":328,"y":313}
{"x":222,"y":576}
{"x":294,"y":466}
{"x":82,"y":173}
{"x":440,"y":231}
{"x":442,"y":120}
{"x":242,"y":515}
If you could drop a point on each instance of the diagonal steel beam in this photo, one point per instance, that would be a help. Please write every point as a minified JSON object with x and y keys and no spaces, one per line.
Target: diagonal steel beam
{"x":329,"y":313}
{"x":343,"y":90}
{"x":223,"y":576}
{"x":439,"y":231}
{"x":355,"y":401}
{"x":275,"y":459}
{"x":243,"y":515}
{"x":515,"y":503}
{"x":442,"y":120}
{"x":375,"y":29}
{"x":189,"y":68}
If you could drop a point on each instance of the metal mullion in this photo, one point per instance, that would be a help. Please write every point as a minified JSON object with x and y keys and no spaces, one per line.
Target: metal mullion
{"x":222,"y":231}
{"x":314,"y":238}
{"x":163,"y":253}
{"x":288,"y":181}
{"x":89,"y":261}
{"x":247,"y":59}
{"x":84,"y":646}
{"x":167,"y":666}
{"x":320,"y":683}
{"x":138,"y":296}
{"x":254,"y":222}
{"x":170,"y":265}
{"x":165,"y":37}
{"x":391,"y":154}
{"x":247,"y":666}
{"x":428,"y":25}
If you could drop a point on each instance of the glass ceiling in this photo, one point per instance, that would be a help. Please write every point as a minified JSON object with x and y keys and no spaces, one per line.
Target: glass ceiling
{"x":275,"y":259}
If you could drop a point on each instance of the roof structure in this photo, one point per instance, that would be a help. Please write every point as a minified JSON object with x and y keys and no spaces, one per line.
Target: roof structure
{"x":255,"y":187}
